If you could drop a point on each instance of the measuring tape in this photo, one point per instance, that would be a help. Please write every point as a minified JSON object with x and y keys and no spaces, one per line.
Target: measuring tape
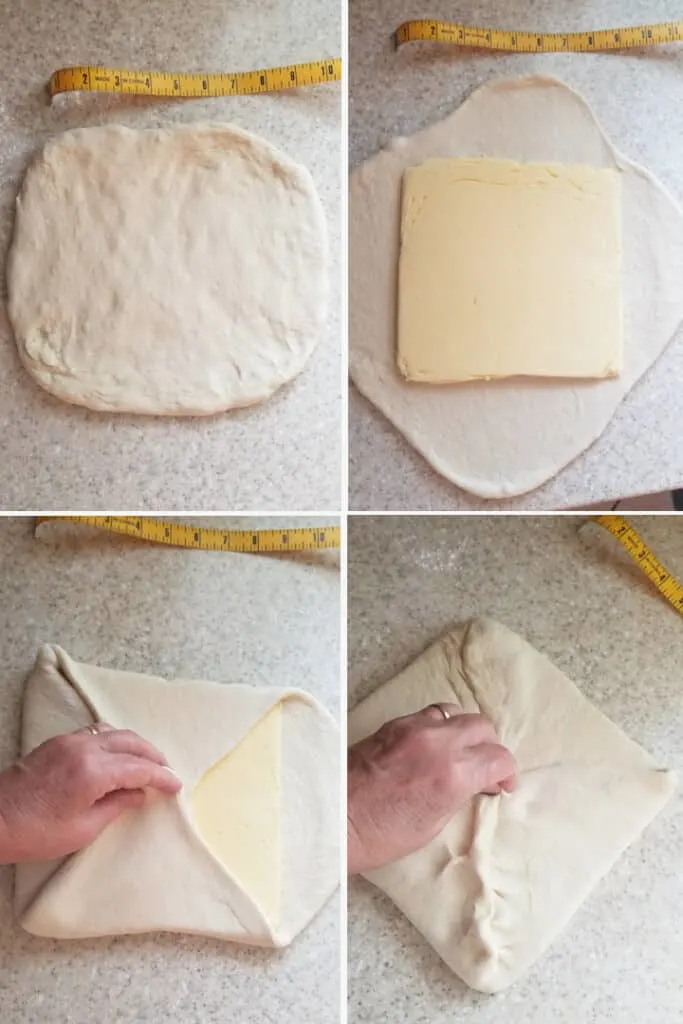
{"x":539,"y":42}
{"x":633,"y":543}
{"x":181,"y":535}
{"x":87,"y":78}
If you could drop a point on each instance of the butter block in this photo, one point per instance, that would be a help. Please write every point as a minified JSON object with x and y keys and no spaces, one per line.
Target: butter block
{"x":509,"y":269}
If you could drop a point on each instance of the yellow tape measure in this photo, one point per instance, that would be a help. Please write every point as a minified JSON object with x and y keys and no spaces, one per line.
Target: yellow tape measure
{"x":636,"y":547}
{"x":182,"y":535}
{"x":88,"y":78}
{"x":539,"y":42}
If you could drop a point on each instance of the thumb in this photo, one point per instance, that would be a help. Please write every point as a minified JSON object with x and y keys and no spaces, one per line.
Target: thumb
{"x":493,"y":767}
{"x":106,"y":810}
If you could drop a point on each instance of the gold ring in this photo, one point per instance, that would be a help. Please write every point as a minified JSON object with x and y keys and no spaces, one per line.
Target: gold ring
{"x":446,"y":714}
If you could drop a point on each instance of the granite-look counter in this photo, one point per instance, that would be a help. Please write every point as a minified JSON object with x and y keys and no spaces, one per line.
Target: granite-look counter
{"x":637,"y":98}
{"x":578,"y":598}
{"x":283,"y":454}
{"x":187,"y":614}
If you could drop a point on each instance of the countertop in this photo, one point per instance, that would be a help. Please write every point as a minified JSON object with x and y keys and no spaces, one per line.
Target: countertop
{"x":578,"y":598}
{"x":281,"y":455}
{"x":224,"y":617}
{"x":637,"y":97}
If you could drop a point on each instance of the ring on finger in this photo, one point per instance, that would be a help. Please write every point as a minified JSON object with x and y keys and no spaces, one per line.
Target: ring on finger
{"x":446,"y":714}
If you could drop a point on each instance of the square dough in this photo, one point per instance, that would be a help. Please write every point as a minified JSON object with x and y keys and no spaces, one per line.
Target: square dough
{"x":509,"y":269}
{"x":264,"y":759}
{"x":494,"y":889}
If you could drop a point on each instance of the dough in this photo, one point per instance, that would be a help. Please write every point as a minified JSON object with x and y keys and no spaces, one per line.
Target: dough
{"x":175,"y":864}
{"x":178,"y":271}
{"x":507,"y":873}
{"x":503,"y":438}
{"x":509,"y":269}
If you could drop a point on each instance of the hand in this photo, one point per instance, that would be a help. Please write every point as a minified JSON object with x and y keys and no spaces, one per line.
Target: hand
{"x":407,"y":780}
{"x":65,"y":792}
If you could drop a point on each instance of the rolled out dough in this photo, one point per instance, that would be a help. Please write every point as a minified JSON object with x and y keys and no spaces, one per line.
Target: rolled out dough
{"x":247,"y":851}
{"x":178,"y":271}
{"x":506,"y":437}
{"x":496,"y":887}
{"x":509,"y":270}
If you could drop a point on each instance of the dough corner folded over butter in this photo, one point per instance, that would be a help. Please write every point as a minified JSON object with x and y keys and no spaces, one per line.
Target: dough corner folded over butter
{"x":507,"y":873}
{"x":248,"y":849}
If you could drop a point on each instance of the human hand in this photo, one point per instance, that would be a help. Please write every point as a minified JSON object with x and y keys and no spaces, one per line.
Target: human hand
{"x":407,"y":780}
{"x":60,"y":797}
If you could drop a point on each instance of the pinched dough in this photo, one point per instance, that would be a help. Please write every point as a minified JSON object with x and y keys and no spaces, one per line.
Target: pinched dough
{"x":507,"y":873}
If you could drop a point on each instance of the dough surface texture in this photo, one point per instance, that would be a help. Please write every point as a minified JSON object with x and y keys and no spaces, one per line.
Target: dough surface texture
{"x":501,"y":438}
{"x":509,"y":269}
{"x":176,"y":271}
{"x":174,"y":864}
{"x":507,"y":873}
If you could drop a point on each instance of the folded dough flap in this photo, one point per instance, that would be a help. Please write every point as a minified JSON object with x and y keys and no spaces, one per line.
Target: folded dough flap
{"x":241,"y":853}
{"x":507,"y":873}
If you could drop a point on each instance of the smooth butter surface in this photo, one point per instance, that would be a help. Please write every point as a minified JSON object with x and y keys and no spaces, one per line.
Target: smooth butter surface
{"x":236,"y":809}
{"x":509,"y":269}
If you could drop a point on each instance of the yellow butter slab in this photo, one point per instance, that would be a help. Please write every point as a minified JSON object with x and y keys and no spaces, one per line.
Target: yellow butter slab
{"x":236,"y":808}
{"x":509,"y":269}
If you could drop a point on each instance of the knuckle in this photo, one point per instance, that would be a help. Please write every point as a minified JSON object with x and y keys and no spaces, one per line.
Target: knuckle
{"x":80,"y":756}
{"x":62,"y":745}
{"x":451,"y":777}
{"x":424,"y":740}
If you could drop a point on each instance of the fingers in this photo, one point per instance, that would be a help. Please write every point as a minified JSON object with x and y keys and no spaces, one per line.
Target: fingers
{"x":130,"y":772}
{"x":106,"y":810}
{"x":441,"y":712}
{"x":472,"y":728}
{"x":470,"y":737}
{"x":93,"y":730}
{"x":124,"y":741}
{"x":493,"y":768}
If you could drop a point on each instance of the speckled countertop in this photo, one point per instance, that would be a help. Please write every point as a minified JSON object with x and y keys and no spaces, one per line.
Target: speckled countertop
{"x":637,"y":98}
{"x":283,"y":454}
{"x":119,"y":603}
{"x":578,"y":598}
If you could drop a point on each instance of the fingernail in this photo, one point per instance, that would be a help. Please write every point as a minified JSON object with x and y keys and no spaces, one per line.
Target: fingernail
{"x":169,"y":769}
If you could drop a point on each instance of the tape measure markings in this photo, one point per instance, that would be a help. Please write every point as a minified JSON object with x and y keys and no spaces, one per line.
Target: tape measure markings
{"x":89,"y":78}
{"x":635,"y":546}
{"x":184,"y":535}
{"x":508,"y":40}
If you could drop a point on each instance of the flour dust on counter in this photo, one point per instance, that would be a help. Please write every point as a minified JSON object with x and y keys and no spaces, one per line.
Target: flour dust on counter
{"x":170,"y":769}
{"x":513,"y":748}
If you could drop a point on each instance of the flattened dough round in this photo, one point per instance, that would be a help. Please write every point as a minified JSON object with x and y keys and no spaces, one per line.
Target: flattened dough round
{"x":178,"y":271}
{"x":502,"y":438}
